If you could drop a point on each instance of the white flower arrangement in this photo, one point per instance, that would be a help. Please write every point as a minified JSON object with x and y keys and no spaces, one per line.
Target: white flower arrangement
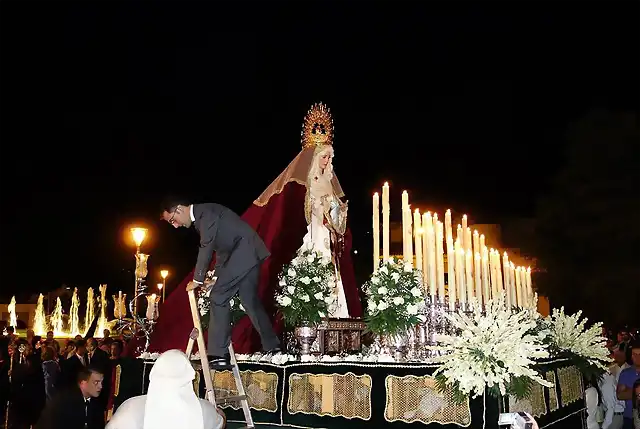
{"x":494,"y":351}
{"x":307,"y":288}
{"x":569,"y":336}
{"x":204,"y":305}
{"x":394,"y":298}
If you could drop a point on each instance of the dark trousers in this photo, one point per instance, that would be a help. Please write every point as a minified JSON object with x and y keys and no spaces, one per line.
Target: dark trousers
{"x":627,"y":423}
{"x":225,"y":288}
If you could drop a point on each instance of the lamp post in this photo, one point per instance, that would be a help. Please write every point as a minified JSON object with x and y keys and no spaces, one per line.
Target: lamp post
{"x":139,"y":234}
{"x":161,"y":291}
{"x":164,"y":274}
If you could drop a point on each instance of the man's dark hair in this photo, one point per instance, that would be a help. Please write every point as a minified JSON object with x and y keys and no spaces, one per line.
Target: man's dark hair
{"x":170,"y":203}
{"x":93,"y":342}
{"x":634,"y":345}
{"x":81,"y":343}
{"x":84,"y":374}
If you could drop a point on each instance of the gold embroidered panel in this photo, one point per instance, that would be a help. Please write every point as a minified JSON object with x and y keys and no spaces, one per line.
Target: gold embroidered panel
{"x":261,"y":388}
{"x":554,"y":403}
{"x":570,"y":382}
{"x":336,"y":395}
{"x":417,"y":399}
{"x":534,"y":404}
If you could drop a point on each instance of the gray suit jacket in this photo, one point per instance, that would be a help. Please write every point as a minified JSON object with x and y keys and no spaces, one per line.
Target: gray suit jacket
{"x":238,"y":247}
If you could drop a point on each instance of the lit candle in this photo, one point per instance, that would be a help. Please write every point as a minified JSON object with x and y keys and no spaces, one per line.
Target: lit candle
{"x":482,"y":244}
{"x":512,"y":284}
{"x":460,"y":235}
{"x":464,"y":223}
{"x":529,"y":286}
{"x":385,"y":221}
{"x":500,"y":287}
{"x":376,"y":231}
{"x":485,"y":275}
{"x":430,"y":256}
{"x":425,"y":259}
{"x":526,"y":299}
{"x":476,"y":243}
{"x":507,"y":284}
{"x":451,"y":274}
{"x":409,"y":237}
{"x":405,"y":204}
{"x":468,"y":246}
{"x":447,"y":226}
{"x":477,"y":271}
{"x":468,"y":270}
{"x":520,"y":296}
{"x":418,"y":236}
{"x":460,"y":275}
{"x":440,"y":259}
{"x":492,"y":267}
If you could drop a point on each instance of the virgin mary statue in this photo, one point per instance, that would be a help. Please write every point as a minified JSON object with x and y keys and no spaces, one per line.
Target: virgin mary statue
{"x":301,"y":207}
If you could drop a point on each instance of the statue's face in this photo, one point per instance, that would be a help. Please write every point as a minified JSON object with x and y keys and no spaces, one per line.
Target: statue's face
{"x":324,"y":159}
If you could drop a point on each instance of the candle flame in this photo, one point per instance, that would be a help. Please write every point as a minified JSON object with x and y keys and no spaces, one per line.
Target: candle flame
{"x":475,"y":232}
{"x":417,"y":211}
{"x":386,"y":184}
{"x":375,"y":194}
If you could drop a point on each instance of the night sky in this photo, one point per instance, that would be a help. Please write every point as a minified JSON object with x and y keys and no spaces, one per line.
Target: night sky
{"x":108,"y":106}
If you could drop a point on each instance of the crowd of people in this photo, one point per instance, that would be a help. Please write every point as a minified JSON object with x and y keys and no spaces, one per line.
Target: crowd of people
{"x":35,"y":372}
{"x":613,"y":400}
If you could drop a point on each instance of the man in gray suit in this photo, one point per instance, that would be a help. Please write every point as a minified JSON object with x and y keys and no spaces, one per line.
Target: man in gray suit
{"x":239,"y":254}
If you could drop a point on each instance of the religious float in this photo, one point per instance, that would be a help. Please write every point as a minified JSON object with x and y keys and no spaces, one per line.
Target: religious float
{"x":451,"y":335}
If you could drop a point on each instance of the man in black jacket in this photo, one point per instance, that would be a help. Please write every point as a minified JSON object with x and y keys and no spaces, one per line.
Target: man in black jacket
{"x":76,"y":407}
{"x":239,"y":254}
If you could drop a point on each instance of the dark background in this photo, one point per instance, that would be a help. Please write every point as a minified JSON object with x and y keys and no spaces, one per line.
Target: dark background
{"x":107,"y":106}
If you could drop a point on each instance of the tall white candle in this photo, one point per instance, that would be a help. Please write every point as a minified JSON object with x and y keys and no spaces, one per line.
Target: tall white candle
{"x":464,"y":231}
{"x":492,"y":272}
{"x":482,"y":243}
{"x":530,"y":287}
{"x":460,"y":235}
{"x":376,"y":231}
{"x":525,"y":292}
{"x":447,"y":226}
{"x":512,"y":284}
{"x":520,"y":298}
{"x":468,"y":246}
{"x":409,"y":236}
{"x":431,"y":286}
{"x":477,"y":272}
{"x":499,"y":274}
{"x":468,"y":270}
{"x":385,"y":221}
{"x":405,"y":224}
{"x":451,"y":273}
{"x":476,"y":243}
{"x":507,"y":285}
{"x":486,"y":291}
{"x":418,"y":237}
{"x":425,"y":259}
{"x":460,"y":275}
{"x":440,"y":259}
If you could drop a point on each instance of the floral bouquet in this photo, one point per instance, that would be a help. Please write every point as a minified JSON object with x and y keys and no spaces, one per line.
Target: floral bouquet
{"x":237,"y":310}
{"x":306,"y":291}
{"x":586,"y":348}
{"x":394,"y":298}
{"x":494,"y":350}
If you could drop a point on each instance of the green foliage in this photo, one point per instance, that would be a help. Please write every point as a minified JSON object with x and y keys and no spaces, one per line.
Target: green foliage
{"x":518,"y":387}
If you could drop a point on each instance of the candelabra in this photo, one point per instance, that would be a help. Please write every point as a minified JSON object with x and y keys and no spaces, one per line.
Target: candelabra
{"x":140,"y":326}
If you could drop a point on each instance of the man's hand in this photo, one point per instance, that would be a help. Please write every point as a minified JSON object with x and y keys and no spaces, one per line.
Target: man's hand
{"x":192,"y":286}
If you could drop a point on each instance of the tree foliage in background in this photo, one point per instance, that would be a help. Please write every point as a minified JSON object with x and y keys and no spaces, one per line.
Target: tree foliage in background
{"x":588,"y":226}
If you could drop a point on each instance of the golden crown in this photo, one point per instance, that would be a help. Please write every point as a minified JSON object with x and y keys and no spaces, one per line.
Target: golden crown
{"x":317,"y":128}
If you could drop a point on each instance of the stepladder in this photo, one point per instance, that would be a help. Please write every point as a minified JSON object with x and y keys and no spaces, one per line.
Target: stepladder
{"x":197,"y":336}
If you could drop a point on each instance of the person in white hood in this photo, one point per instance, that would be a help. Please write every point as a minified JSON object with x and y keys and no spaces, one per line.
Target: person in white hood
{"x":170,"y":401}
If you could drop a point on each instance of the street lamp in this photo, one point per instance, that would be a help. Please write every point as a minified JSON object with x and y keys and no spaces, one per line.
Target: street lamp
{"x":164,"y":274}
{"x":161,"y":290}
{"x":139,"y":234}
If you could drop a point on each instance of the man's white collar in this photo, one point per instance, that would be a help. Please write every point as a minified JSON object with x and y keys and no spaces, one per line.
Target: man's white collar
{"x":193,"y":218}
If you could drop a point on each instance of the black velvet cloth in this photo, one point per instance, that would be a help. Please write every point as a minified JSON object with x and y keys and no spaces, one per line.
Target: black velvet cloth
{"x":487,"y":408}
